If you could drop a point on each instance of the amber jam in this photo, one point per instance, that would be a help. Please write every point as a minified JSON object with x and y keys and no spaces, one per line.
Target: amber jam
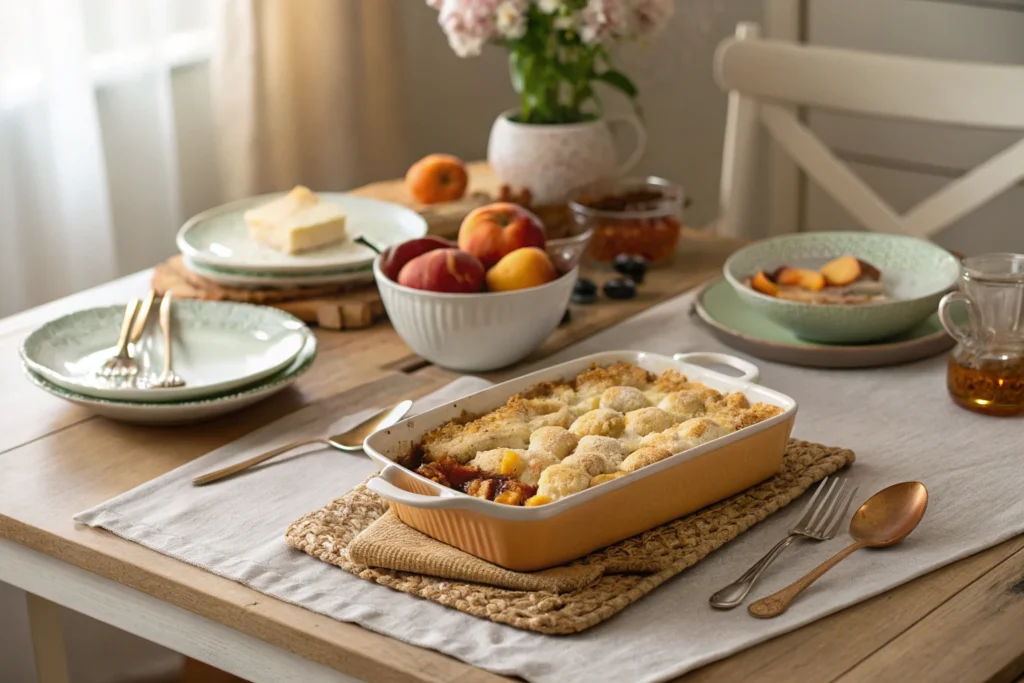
{"x":653,"y":238}
{"x":993,"y":387}
{"x":642,"y":220}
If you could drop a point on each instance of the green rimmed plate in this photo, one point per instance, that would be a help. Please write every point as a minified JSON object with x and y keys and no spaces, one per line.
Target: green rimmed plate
{"x":737,"y":325}
{"x":186,"y":412}
{"x":218,"y":347}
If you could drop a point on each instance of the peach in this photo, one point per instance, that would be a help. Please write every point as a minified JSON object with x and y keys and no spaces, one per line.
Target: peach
{"x":437,"y":178}
{"x":492,"y":231}
{"x":841,"y":271}
{"x":394,"y":258}
{"x":801,"y":277}
{"x":521,"y":269}
{"x":444,"y":270}
{"x":761,"y":283}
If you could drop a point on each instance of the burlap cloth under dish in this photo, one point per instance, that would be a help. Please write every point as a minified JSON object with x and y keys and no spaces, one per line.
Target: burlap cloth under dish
{"x":357,"y":533}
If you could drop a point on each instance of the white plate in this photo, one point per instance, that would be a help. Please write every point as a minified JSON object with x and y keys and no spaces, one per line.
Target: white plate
{"x":219,"y":237}
{"x":186,"y":412}
{"x":258,"y":280}
{"x":218,"y":346}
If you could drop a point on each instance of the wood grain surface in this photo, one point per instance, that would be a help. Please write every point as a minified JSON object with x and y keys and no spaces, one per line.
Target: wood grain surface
{"x":328,"y":306}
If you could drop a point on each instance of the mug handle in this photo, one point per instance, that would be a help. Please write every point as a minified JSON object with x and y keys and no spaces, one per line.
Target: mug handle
{"x":957,"y":332}
{"x":641,"y":141}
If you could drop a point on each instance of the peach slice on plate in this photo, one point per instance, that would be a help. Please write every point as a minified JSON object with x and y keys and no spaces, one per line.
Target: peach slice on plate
{"x":761,"y":283}
{"x":801,"y":277}
{"x":842,"y":271}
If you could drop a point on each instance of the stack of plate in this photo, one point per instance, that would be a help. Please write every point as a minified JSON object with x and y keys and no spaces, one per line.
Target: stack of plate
{"x":216,"y":245}
{"x":229,"y":354}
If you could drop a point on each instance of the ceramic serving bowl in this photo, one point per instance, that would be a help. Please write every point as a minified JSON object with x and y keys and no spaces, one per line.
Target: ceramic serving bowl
{"x":475,"y":332}
{"x":915,"y":275}
{"x":533,"y":538}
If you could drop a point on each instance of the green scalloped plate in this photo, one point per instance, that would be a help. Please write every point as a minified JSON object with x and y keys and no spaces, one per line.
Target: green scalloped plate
{"x":737,"y":325}
{"x":186,"y":412}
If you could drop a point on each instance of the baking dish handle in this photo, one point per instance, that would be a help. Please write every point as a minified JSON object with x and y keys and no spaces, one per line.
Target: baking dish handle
{"x":751,"y":373}
{"x":447,"y":500}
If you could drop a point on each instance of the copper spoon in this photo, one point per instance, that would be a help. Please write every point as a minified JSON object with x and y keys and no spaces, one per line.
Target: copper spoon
{"x":885,"y":519}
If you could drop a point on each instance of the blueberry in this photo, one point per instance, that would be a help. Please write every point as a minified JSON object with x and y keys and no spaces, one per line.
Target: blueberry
{"x":633,"y":267}
{"x":584,"y":292}
{"x":620,"y":288}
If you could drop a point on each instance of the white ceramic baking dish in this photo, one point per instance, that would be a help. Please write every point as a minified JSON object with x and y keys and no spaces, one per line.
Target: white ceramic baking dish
{"x":533,"y":538}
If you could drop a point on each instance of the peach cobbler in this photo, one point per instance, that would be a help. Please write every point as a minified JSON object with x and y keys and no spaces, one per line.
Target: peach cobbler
{"x":557,"y":439}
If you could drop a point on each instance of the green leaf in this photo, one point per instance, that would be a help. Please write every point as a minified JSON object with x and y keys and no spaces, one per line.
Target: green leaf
{"x":515,"y":71}
{"x":619,"y":81}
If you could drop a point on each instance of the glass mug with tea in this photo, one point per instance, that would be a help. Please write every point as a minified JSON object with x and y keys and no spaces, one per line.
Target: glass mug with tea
{"x":986,"y":369}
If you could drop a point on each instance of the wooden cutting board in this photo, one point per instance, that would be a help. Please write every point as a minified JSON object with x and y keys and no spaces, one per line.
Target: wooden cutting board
{"x":329,"y":306}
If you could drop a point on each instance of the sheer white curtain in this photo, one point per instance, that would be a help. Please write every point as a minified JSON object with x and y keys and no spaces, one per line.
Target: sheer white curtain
{"x":100,"y":157}
{"x":89,"y":153}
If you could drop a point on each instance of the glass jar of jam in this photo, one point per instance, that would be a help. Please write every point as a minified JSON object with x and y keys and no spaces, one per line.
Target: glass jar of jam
{"x":636,"y":216}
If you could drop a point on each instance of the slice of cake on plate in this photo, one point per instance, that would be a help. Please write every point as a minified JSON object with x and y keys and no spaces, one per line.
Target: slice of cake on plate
{"x":297,"y":222}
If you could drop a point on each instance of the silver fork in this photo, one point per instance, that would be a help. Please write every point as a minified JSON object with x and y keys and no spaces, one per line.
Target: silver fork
{"x":818,"y":522}
{"x":167,"y":378}
{"x":121,"y":365}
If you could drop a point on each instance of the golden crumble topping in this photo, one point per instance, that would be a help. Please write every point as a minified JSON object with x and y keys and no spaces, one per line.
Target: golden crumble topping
{"x":623,"y":399}
{"x":559,"y":438}
{"x":600,"y":422}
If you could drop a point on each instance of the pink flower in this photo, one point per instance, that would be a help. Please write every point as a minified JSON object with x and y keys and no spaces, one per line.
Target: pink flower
{"x":603,"y":20}
{"x":468,"y":24}
{"x":511,"y":18}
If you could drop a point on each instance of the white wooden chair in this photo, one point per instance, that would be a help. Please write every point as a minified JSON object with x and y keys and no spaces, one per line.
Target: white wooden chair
{"x":768,"y":79}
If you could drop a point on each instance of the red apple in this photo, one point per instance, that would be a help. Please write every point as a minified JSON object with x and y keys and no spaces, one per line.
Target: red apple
{"x":494,"y":230}
{"x":394,"y":258}
{"x":444,"y":270}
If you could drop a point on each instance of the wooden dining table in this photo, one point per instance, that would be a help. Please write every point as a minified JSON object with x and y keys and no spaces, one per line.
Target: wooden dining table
{"x":961,"y":623}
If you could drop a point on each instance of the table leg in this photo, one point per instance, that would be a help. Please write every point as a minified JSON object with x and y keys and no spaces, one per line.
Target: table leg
{"x":47,"y":640}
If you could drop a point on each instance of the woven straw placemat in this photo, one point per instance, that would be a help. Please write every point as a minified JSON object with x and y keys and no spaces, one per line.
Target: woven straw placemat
{"x":328,"y":533}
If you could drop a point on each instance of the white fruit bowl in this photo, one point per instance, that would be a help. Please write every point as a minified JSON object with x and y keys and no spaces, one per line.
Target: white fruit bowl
{"x":475,"y":332}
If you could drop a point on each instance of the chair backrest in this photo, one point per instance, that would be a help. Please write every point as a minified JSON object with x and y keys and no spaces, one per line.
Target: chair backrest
{"x":768,"y":79}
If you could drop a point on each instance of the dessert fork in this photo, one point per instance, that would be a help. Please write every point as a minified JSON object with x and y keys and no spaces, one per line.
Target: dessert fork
{"x":818,"y":522}
{"x":350,"y":440}
{"x":121,"y":365}
{"x":167,"y":378}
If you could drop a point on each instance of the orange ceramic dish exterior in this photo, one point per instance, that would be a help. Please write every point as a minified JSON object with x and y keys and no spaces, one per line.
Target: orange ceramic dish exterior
{"x":531,"y":539}
{"x":528,"y":546}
